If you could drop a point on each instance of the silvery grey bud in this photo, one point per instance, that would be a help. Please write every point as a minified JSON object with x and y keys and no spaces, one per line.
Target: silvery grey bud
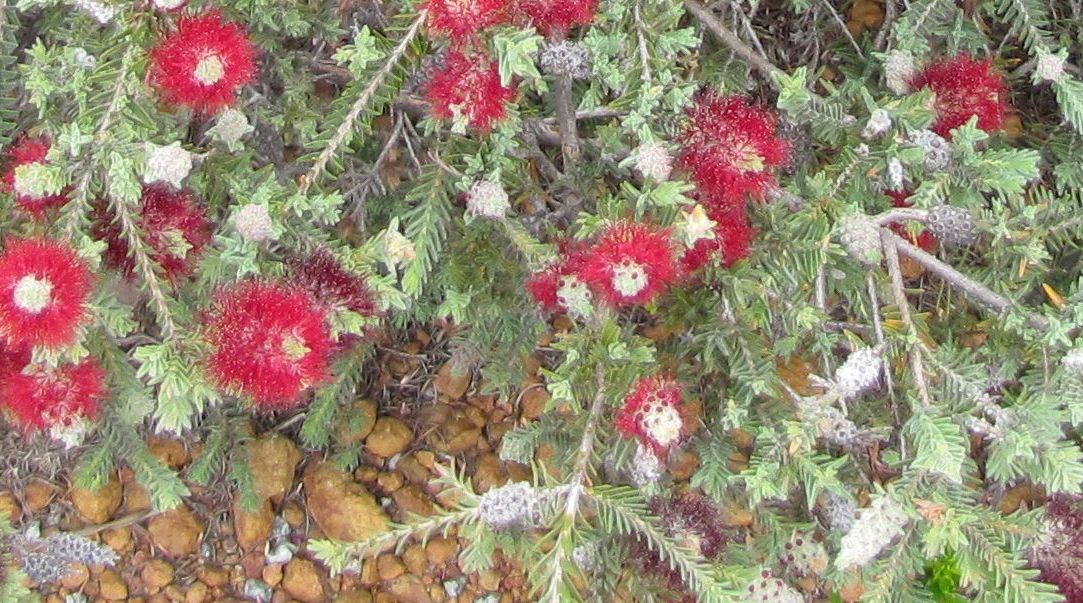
{"x":860,"y":236}
{"x":937,"y":149}
{"x":1073,"y":362}
{"x":859,"y":374}
{"x":514,"y":506}
{"x":953,"y":226}
{"x":898,"y":70}
{"x":566,"y":58}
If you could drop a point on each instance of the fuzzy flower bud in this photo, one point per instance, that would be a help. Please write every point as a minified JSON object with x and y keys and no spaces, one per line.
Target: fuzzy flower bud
{"x":652,"y":414}
{"x":697,"y":226}
{"x":253,"y":222}
{"x":575,"y":297}
{"x":1050,"y":67}
{"x":860,"y":236}
{"x":805,"y":557}
{"x":937,"y":149}
{"x":102,"y":13}
{"x":838,"y":512}
{"x":398,"y":248}
{"x":653,"y":160}
{"x":47,"y":560}
{"x":566,"y":58}
{"x":487,"y":199}
{"x":896,"y":176}
{"x":899,"y":68}
{"x":876,"y":526}
{"x":768,"y":589}
{"x":585,"y":557}
{"x":168,"y":5}
{"x":859,"y":373}
{"x":1073,"y":362}
{"x":230,"y":127}
{"x":169,"y":163}
{"x":954,"y":226}
{"x":878,"y":124}
{"x":647,"y":468}
{"x":514,"y":506}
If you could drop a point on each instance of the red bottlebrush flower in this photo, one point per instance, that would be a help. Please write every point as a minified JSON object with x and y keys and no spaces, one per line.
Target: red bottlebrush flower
{"x":270,"y":342}
{"x":732,"y":238}
{"x":556,"y":17}
{"x":926,"y":240}
{"x":729,"y":146}
{"x":469,"y":86}
{"x":332,"y":286}
{"x":45,"y":398}
{"x":632,"y":263}
{"x":546,"y":286}
{"x":203,"y":64}
{"x":12,"y":360}
{"x":28,"y":151}
{"x":43,"y":288}
{"x":464,"y":19}
{"x":1058,"y":552}
{"x":174,"y":225}
{"x":652,"y":414}
{"x":965,"y":88}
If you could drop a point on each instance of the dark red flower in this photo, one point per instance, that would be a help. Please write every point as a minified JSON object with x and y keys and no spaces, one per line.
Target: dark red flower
{"x":544,"y":286}
{"x":469,"y":86}
{"x":652,"y":414}
{"x":173,"y":224}
{"x":728,"y":147}
{"x":965,"y":88}
{"x":1058,"y":552}
{"x":926,"y":240}
{"x":556,"y":17}
{"x":43,"y":398}
{"x":270,"y":341}
{"x":632,"y":263}
{"x":204,"y":63}
{"x":332,"y":286}
{"x":464,"y":19}
{"x":43,"y":288}
{"x":732,"y":239}
{"x":12,"y":360}
{"x":27,"y":151}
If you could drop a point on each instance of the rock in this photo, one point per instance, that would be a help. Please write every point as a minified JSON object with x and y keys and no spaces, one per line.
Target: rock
{"x":136,"y":499}
{"x":111,"y":587}
{"x":389,"y":482}
{"x":390,"y":567}
{"x":415,"y":561}
{"x":76,"y":578}
{"x":252,"y":529}
{"x":412,"y":501}
{"x":413,"y":470}
{"x":408,"y":589}
{"x":389,"y":437}
{"x":684,"y":465}
{"x":156,"y":574}
{"x":38,"y":494}
{"x":440,"y":551}
{"x":302,"y":581}
{"x":273,"y":460}
{"x":257,"y":590}
{"x":354,"y":596}
{"x":343,"y":509}
{"x":97,"y":506}
{"x":176,"y":532}
{"x":293,"y":513}
{"x":489,"y":473}
{"x":362,"y":419}
{"x":214,"y":577}
{"x":10,"y":507}
{"x":171,"y":452}
{"x":272,"y":574}
{"x":452,"y":382}
{"x":252,"y":564}
{"x":489,"y":580}
{"x":197,"y":593}
{"x":118,"y":539}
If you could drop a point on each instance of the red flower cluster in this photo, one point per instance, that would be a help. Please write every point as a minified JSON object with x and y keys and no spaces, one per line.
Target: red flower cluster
{"x":271,"y":343}
{"x":204,"y":63}
{"x":42,"y":398}
{"x":1058,"y":553}
{"x":965,"y":88}
{"x":692,"y":519}
{"x":926,"y":240}
{"x":465,"y":19}
{"x":652,"y":414}
{"x":728,"y":149}
{"x":630,"y":263}
{"x":27,"y":151}
{"x":174,"y":224}
{"x":332,"y":286}
{"x":469,"y":86}
{"x":554,"y":18}
{"x":43,"y":288}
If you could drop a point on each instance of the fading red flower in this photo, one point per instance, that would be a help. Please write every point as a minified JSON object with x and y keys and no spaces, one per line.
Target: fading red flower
{"x":545,"y":286}
{"x":556,"y":17}
{"x":271,"y":343}
{"x":732,"y":239}
{"x":28,"y":151}
{"x":693,"y":520}
{"x":174,"y":226}
{"x":965,"y":88}
{"x":204,"y":63}
{"x":926,"y":240}
{"x":1058,"y":552}
{"x":464,"y":19}
{"x":43,"y":398}
{"x":43,"y":288}
{"x":728,"y":147}
{"x":332,"y":286}
{"x":12,"y":360}
{"x":652,"y":414}
{"x":632,"y":263}
{"x":469,"y":86}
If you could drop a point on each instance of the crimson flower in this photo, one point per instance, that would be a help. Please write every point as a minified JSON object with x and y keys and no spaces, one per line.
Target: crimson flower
{"x":174,"y":226}
{"x":43,"y":288}
{"x":1058,"y":552}
{"x":652,"y":414}
{"x":333,"y":288}
{"x":28,"y":151}
{"x":469,"y":86}
{"x":270,"y":342}
{"x":43,"y":398}
{"x":556,"y":17}
{"x":546,"y":285}
{"x":965,"y":88}
{"x":632,"y":263}
{"x":926,"y":240}
{"x":728,"y":147}
{"x":204,"y":63}
{"x":12,"y":360}
{"x":464,"y":19}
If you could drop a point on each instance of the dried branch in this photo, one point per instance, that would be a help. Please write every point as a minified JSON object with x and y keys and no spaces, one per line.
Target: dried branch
{"x":727,"y":37}
{"x":917,"y":365}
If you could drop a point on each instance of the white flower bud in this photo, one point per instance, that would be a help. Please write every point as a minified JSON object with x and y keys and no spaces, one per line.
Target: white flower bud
{"x":1073,"y":362}
{"x":169,"y":163}
{"x":168,"y":5}
{"x":899,"y":68}
{"x":859,"y":373}
{"x":873,"y":530}
{"x":647,"y":468}
{"x":83,"y":58}
{"x":487,"y":199}
{"x":398,"y":248}
{"x":1050,"y":67}
{"x":629,"y":278}
{"x":102,"y":13}
{"x":896,"y":176}
{"x":653,"y":161}
{"x":575,"y":296}
{"x":230,"y":127}
{"x":878,"y":124}
{"x":516,"y":505}
{"x":768,"y":589}
{"x":860,"y":236}
{"x":937,"y":149}
{"x":71,"y":433}
{"x":253,"y":222}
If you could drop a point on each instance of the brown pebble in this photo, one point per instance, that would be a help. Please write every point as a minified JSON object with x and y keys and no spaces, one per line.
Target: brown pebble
{"x":439,"y":551}
{"x":272,"y":574}
{"x":390,"y":566}
{"x":197,"y":593}
{"x":111,"y":586}
{"x":302,"y":581}
{"x":156,"y":574}
{"x":415,"y":561}
{"x":214,"y":577}
{"x":76,"y":578}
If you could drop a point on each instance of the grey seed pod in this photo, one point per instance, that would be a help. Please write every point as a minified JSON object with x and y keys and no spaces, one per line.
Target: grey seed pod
{"x":514,"y":506}
{"x":953,"y":226}
{"x":566,"y":58}
{"x":860,"y":236}
{"x":937,"y":149}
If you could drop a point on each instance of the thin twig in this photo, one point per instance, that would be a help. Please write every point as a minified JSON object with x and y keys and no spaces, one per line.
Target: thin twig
{"x":901,"y":214}
{"x":727,"y":37}
{"x":644,"y":56}
{"x":121,"y":522}
{"x":569,"y":132}
{"x":842,"y":26}
{"x":348,"y":124}
{"x":917,"y":365}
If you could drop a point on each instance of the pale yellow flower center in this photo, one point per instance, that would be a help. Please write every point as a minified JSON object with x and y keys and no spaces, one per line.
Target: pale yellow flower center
{"x":33,"y":294}
{"x":209,"y":70}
